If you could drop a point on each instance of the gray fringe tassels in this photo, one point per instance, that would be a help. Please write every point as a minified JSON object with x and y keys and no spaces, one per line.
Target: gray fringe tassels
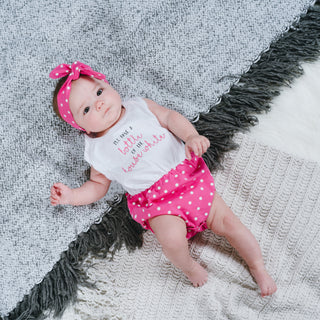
{"x":255,"y":89}
{"x":235,"y":112}
{"x":59,"y":286}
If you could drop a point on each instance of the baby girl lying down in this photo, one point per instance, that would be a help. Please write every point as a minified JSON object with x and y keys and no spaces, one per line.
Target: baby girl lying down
{"x":155,"y":154}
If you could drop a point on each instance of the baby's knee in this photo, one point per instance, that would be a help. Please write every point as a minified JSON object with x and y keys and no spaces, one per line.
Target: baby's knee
{"x":226,"y":225}
{"x":224,"y":221}
{"x":169,"y":230}
{"x":172,"y":240}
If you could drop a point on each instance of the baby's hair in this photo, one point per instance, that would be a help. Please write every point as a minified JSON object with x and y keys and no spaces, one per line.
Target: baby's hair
{"x":59,"y":84}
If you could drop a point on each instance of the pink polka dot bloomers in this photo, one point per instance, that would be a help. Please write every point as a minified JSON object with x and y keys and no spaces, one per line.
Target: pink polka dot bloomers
{"x":186,"y":191}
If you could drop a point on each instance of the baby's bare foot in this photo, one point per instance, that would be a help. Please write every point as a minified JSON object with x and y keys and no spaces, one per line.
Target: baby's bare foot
{"x":197,"y":275}
{"x":264,"y":281}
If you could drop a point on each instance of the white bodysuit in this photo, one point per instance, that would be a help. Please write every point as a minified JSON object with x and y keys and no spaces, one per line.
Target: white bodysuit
{"x":137,"y":151}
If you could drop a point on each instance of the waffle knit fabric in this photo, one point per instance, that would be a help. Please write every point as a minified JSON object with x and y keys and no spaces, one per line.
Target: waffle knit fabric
{"x":277,"y":196}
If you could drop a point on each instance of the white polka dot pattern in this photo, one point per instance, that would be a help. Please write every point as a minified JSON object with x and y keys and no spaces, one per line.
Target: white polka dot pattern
{"x":175,"y":198}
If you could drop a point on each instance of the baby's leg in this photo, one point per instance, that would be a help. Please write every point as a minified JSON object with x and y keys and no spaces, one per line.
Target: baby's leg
{"x":223,"y":222}
{"x":171,"y":233}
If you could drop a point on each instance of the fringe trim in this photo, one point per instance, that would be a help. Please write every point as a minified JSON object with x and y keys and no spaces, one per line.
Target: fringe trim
{"x":279,"y":66}
{"x":235,"y":112}
{"x":59,"y":286}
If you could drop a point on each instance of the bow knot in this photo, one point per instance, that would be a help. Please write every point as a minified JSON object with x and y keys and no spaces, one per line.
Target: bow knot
{"x":73,"y":71}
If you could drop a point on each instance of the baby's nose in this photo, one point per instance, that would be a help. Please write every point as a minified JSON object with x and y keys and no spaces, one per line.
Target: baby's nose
{"x":99,"y":104}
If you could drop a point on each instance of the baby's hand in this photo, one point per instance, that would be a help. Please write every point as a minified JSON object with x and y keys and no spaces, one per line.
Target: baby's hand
{"x":60,"y":194}
{"x":198,"y":144}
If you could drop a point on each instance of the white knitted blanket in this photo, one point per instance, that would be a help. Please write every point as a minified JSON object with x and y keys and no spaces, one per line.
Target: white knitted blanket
{"x":277,"y":196}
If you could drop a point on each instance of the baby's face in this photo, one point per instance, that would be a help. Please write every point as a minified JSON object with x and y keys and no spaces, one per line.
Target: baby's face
{"x":94,"y":104}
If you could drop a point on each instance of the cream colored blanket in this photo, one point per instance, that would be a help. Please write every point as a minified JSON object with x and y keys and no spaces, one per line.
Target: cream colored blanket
{"x":274,"y":194}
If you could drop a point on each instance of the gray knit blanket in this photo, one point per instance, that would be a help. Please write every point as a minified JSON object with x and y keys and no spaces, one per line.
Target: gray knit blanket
{"x":183,"y":55}
{"x":274,"y":194}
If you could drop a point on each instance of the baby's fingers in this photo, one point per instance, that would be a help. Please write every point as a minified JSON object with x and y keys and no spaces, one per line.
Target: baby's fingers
{"x":58,"y":185}
{"x":198,"y":144}
{"x":188,"y":153}
{"x":192,"y":147}
{"x":205,"y":145}
{"x":54,"y":200}
{"x":197,"y":149}
{"x":55,"y":193}
{"x":200,"y":147}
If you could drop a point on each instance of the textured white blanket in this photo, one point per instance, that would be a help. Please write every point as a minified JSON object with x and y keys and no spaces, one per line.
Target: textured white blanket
{"x":278,"y":197}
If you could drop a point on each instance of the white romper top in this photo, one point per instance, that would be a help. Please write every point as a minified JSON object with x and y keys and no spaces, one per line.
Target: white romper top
{"x":137,"y":151}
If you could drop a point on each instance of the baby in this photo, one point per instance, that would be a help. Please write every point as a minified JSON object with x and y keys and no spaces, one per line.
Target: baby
{"x":155,"y":154}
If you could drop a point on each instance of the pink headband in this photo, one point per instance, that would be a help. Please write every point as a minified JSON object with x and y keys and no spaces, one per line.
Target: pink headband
{"x":74,"y":71}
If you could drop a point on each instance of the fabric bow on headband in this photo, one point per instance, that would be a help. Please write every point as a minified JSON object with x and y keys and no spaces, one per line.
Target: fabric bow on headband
{"x":73,"y":72}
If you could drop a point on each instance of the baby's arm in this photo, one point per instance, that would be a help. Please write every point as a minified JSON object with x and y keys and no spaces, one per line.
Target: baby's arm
{"x":91,"y":191}
{"x":181,"y":127}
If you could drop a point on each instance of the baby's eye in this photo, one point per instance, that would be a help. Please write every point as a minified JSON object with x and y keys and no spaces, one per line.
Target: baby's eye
{"x":86,"y":110}
{"x":99,"y":92}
